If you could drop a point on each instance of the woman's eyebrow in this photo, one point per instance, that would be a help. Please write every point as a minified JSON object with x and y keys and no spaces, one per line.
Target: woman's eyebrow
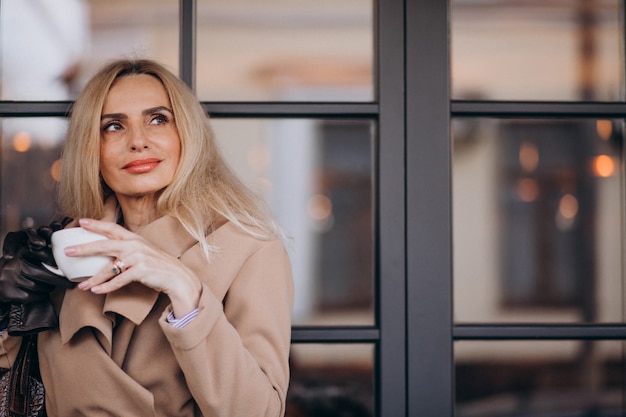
{"x":145,"y":112}
{"x":113,"y":116}
{"x":156,"y":110}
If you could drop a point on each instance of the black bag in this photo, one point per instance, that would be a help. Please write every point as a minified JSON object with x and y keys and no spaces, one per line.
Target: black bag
{"x":21,"y":390}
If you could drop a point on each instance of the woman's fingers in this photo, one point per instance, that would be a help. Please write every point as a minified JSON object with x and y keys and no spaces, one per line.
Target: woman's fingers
{"x":108,"y":229}
{"x":119,"y":240}
{"x":140,"y":262}
{"x":102,"y":276}
{"x":106,"y":282}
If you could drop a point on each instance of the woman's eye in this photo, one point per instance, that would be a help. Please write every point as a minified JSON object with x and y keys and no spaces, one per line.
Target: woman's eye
{"x":159,"y":119}
{"x":112,"y":126}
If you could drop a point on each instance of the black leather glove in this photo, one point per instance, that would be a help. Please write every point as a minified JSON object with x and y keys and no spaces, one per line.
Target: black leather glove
{"x":25,"y":285}
{"x":28,"y":319}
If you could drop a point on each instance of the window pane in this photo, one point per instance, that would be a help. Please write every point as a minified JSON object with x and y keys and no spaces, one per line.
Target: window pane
{"x":538,"y":220}
{"x":560,"y":378}
{"x":50,"y":47}
{"x":537,"y":50}
{"x":331,"y":380}
{"x":315,"y":174}
{"x":134,"y":29}
{"x":279,"y":50}
{"x":317,"y":177}
{"x":42,"y":46}
{"x":30,"y":153}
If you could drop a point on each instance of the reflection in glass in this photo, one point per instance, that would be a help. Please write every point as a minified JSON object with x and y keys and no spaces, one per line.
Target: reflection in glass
{"x":538,"y":220}
{"x":30,"y":171}
{"x":42,"y":45}
{"x":51,"y":47}
{"x":549,"y":378}
{"x":537,"y":50}
{"x":134,"y":29}
{"x":331,"y":380}
{"x":317,"y":177}
{"x":278,"y":50}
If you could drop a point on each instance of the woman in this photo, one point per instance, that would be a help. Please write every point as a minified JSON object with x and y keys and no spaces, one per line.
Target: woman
{"x":193,"y":317}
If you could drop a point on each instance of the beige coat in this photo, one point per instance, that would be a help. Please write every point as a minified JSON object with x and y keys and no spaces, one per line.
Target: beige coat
{"x":116,"y":355}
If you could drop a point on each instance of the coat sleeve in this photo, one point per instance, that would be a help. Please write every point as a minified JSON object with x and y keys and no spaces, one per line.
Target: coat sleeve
{"x":235,"y":354}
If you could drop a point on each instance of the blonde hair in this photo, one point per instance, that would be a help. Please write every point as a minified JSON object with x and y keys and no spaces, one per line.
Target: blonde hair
{"x":203,"y":190}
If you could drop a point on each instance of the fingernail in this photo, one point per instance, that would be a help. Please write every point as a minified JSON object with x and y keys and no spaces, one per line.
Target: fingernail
{"x":84,"y":222}
{"x":83,"y":285}
{"x":70,"y":250}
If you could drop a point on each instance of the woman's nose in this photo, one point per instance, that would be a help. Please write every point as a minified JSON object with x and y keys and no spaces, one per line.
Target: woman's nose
{"x":137,"y":139}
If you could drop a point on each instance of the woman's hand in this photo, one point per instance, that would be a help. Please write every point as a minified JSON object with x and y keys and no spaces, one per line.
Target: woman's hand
{"x":25,"y":285}
{"x":141,"y":263}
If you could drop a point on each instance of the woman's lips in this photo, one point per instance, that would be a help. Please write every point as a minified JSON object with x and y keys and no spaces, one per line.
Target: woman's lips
{"x":141,"y":165}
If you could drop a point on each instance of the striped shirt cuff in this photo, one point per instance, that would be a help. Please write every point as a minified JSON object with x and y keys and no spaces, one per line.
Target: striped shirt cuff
{"x":183,"y":321}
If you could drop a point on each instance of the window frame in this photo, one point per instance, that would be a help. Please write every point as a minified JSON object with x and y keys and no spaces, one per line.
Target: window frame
{"x":414,"y":332}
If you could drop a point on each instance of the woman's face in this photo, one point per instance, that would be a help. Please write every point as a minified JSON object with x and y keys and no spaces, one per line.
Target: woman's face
{"x":140,"y":147}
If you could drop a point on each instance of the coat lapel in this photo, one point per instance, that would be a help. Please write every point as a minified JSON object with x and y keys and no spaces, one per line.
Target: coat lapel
{"x":82,"y":309}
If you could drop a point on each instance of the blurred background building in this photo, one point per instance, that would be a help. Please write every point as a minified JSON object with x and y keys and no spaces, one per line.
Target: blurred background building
{"x":508,"y":301}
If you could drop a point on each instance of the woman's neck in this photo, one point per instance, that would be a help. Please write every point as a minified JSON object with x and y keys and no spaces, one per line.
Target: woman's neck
{"x":137,"y":212}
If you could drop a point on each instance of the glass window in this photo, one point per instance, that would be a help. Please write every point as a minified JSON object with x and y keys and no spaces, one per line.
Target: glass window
{"x":538,"y":223}
{"x":535,"y":378}
{"x":281,"y":50}
{"x":133,"y":28}
{"x":317,"y":176}
{"x":331,"y":380}
{"x":539,"y":50}
{"x":30,"y":169}
{"x":51,"y":47}
{"x":42,"y":45}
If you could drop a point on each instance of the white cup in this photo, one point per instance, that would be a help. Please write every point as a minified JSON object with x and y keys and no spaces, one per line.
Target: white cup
{"x":76,"y":268}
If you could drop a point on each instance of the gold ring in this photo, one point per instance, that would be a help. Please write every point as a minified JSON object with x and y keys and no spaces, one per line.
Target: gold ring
{"x":118,"y":267}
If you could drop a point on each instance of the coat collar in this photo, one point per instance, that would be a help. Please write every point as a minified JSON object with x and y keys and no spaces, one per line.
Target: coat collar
{"x":84,"y":309}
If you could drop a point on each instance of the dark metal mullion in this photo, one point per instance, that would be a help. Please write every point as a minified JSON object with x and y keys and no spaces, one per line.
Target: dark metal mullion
{"x":500,"y":109}
{"x":390,"y":218}
{"x":429,"y":207}
{"x":217,"y":109}
{"x":292,"y":109}
{"x":35,"y":108}
{"x":352,"y":334}
{"x":622,"y":23}
{"x":539,"y":332}
{"x":188,"y":11}
{"x":528,"y":109}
